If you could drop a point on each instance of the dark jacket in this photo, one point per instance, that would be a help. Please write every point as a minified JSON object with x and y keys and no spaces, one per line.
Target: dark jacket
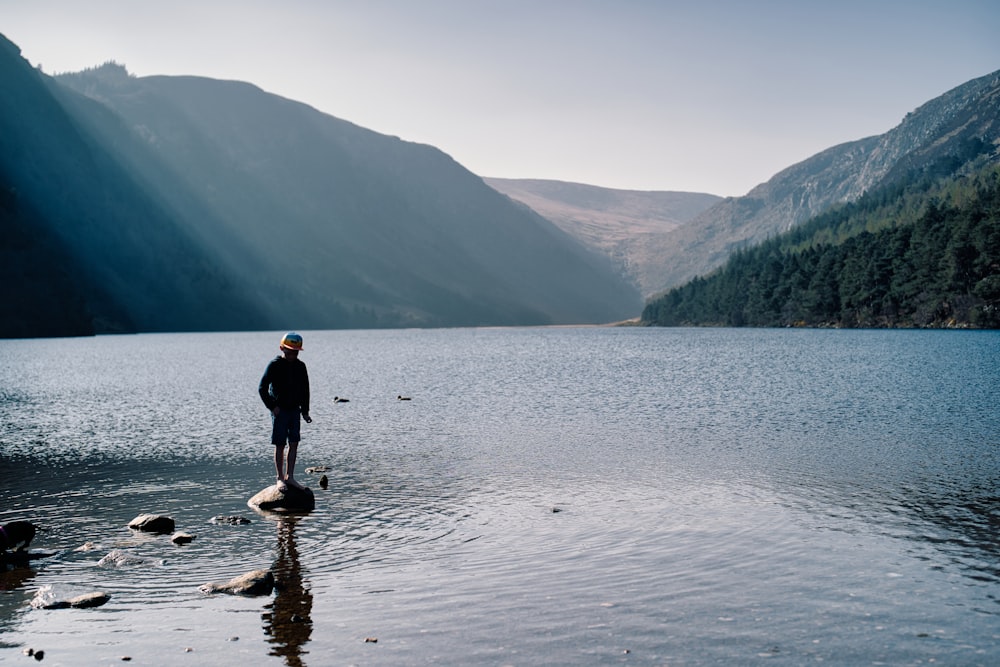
{"x":285,"y":384}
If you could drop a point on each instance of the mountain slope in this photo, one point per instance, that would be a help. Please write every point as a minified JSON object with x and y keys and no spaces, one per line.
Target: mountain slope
{"x":619,"y":223}
{"x":99,"y":245}
{"x":360,"y":228}
{"x":924,"y":252}
{"x":948,"y":128}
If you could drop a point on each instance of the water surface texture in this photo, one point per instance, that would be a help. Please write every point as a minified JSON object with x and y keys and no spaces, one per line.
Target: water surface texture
{"x":552,"y":496}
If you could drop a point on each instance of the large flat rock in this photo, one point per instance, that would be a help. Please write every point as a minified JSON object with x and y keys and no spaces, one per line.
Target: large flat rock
{"x":273,"y":499}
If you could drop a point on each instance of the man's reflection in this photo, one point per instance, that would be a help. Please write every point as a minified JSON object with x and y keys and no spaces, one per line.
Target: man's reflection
{"x":288,"y":625}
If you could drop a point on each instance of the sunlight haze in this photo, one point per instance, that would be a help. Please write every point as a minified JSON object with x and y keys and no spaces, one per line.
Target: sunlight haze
{"x":712,"y":96}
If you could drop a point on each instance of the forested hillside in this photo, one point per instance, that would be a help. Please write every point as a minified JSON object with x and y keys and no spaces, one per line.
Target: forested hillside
{"x":939,"y":132}
{"x":922,"y":253}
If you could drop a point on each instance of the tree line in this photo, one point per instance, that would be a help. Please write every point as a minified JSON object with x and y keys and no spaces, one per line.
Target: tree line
{"x":922,"y":253}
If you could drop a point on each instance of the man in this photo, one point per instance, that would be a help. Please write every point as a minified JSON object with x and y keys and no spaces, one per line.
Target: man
{"x":284,"y":388}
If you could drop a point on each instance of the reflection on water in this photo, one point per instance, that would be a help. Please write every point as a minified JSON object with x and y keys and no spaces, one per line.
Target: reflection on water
{"x":548,"y":496}
{"x":288,"y":624}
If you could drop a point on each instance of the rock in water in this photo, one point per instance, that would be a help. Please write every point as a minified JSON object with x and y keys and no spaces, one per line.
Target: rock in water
{"x":230,"y":520}
{"x":88,"y":600}
{"x":152,"y":523}
{"x":257,"y":582}
{"x":85,"y":601}
{"x":273,"y":499}
{"x":119,"y":558}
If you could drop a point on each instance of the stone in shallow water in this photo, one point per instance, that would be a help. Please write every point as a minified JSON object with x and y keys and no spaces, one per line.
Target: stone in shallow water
{"x":152,"y":523}
{"x":119,"y":558}
{"x":230,"y":520}
{"x":256,"y":582}
{"x":273,"y":499}
{"x":43,"y":600}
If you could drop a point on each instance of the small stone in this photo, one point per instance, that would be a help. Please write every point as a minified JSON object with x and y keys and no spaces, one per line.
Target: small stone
{"x":119,"y":558}
{"x":126,"y":658}
{"x":324,"y":482}
{"x":231,"y":520}
{"x":371,"y":640}
{"x":39,"y":655}
{"x":316,"y":469}
{"x":28,"y":651}
{"x":182,"y":538}
{"x":257,"y":582}
{"x":152,"y":523}
{"x":88,"y":600}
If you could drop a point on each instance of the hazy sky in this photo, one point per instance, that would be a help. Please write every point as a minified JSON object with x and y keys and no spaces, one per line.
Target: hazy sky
{"x":703,"y":96}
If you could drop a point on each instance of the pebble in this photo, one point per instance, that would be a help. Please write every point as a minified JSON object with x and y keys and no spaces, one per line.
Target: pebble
{"x":231,"y":520}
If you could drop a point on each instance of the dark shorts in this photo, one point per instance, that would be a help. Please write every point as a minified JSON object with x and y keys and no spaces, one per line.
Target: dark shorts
{"x":285,"y":426}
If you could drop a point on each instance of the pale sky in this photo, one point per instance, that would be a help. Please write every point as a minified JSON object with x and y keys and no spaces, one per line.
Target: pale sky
{"x":702,"y":96}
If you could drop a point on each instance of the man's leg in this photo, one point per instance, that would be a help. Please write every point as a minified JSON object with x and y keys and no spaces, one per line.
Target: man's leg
{"x":293,"y":448}
{"x":279,"y":465}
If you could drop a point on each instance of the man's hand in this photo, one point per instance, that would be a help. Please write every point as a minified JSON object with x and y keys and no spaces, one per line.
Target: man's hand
{"x":308,"y":419}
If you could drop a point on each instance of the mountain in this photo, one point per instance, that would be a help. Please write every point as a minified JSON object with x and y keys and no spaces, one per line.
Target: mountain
{"x":923,"y":252}
{"x":623,"y":224}
{"x":942,"y":132}
{"x":190,"y":204}
{"x":85,"y":247}
{"x":338,"y":225}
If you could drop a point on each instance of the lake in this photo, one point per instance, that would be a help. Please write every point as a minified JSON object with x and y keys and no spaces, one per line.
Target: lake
{"x":549,"y":496}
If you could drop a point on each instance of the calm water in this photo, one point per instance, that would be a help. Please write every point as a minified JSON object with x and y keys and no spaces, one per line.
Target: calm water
{"x":561,"y":496}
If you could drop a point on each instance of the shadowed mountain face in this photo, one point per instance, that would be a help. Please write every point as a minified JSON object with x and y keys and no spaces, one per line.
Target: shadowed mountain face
{"x":942,"y":133}
{"x":86,"y":248}
{"x":333,"y":225}
{"x":623,"y":224}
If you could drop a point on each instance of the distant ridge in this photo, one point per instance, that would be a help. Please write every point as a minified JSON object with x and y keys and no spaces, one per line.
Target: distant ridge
{"x":619,"y":223}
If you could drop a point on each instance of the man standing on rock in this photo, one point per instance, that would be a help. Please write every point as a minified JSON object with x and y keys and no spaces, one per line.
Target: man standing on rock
{"x":284,"y":388}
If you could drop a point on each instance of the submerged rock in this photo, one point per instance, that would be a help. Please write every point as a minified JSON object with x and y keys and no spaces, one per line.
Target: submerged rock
{"x":152,"y":523}
{"x":182,"y":538}
{"x":273,"y":499}
{"x":119,"y":558}
{"x":257,"y":582}
{"x":230,"y":520}
{"x":45,"y":600}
